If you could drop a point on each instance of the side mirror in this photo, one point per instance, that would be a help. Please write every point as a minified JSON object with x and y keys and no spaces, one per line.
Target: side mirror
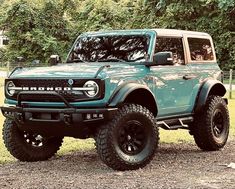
{"x":54,"y":60}
{"x":163,"y":58}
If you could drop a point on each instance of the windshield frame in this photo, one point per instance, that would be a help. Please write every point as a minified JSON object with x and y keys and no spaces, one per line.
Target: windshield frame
{"x":150,"y":33}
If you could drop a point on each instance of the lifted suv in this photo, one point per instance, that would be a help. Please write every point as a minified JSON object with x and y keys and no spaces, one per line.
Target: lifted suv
{"x":119,"y":87}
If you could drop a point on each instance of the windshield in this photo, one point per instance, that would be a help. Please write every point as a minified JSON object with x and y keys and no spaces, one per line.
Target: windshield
{"x":116,"y":48}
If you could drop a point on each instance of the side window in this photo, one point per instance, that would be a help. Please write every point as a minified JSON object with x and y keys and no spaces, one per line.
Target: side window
{"x":174,"y":45}
{"x":200,"y":49}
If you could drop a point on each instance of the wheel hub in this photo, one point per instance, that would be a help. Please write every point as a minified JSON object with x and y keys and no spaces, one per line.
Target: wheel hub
{"x":132,"y":138}
{"x":218,"y":123}
{"x":34,"y":140}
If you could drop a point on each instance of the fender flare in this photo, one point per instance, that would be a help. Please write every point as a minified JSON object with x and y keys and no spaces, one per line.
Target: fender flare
{"x":124,"y":90}
{"x":207,"y":88}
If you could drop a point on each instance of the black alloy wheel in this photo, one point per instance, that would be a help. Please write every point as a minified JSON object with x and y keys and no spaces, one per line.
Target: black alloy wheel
{"x":218,"y":123}
{"x":131,"y":137}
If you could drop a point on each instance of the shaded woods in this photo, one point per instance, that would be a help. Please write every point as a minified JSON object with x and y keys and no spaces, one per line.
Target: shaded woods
{"x":38,"y":29}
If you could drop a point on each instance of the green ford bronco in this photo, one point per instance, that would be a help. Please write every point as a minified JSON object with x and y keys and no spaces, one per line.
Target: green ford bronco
{"x":118,"y":87}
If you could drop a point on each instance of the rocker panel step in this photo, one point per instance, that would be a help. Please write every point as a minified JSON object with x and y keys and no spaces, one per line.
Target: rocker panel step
{"x":176,"y":123}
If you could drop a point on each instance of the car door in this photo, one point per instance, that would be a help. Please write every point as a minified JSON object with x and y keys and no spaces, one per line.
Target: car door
{"x":173,"y":84}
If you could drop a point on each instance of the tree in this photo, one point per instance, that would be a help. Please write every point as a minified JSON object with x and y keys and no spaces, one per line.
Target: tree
{"x":36,"y":33}
{"x":39,"y":29}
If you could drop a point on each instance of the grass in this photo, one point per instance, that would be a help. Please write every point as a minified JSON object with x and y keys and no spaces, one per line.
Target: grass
{"x":70,"y":145}
{"x":1,"y":81}
{"x":3,"y":68}
{"x":226,"y":81}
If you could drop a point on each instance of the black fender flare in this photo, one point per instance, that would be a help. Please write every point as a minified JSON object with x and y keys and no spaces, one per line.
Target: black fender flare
{"x":124,"y":90}
{"x":207,"y":88}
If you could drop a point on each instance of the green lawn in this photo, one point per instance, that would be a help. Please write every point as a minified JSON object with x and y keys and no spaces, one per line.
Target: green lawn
{"x":71,"y":144}
{"x":3,"y":68}
{"x":1,"y":81}
{"x":227,"y":81}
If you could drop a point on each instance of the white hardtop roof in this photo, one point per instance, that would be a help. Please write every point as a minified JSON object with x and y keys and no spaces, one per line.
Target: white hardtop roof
{"x":159,"y":31}
{"x":174,"y":32}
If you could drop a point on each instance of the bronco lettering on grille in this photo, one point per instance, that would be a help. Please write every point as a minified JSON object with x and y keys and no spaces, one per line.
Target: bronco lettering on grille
{"x":51,"y":88}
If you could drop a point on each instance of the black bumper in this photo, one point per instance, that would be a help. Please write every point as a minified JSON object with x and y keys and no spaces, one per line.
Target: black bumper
{"x":66,"y":115}
{"x":58,"y":122}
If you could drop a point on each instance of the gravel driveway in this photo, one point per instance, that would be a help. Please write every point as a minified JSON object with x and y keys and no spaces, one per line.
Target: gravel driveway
{"x":174,"y":166}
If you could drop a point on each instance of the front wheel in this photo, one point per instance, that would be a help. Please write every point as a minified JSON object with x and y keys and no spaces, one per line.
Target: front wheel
{"x":128,"y":141}
{"x":211,"y":126}
{"x":29,"y":146}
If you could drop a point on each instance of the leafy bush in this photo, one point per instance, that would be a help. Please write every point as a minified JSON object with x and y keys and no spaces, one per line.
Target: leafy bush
{"x":39,"y":29}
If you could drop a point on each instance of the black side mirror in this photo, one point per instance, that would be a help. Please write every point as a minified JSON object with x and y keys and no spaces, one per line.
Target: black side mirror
{"x":163,"y":58}
{"x":54,"y":60}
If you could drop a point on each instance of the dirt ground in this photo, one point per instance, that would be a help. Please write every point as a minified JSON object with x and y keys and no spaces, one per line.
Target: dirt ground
{"x":174,"y":166}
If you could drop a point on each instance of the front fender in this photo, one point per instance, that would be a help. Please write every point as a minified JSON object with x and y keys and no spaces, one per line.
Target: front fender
{"x":126,"y":89}
{"x":210,"y":87}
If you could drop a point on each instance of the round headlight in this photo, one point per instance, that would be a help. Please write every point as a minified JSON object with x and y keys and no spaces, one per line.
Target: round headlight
{"x":10,"y":88}
{"x":91,"y":88}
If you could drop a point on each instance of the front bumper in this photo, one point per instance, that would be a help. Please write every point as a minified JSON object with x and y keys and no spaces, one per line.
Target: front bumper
{"x":58,"y":121}
{"x":65,"y":115}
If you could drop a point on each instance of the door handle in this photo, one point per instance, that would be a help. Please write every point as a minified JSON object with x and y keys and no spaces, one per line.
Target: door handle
{"x":187,"y":77}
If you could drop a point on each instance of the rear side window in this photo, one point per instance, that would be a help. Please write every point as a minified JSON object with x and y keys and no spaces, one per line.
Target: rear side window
{"x":200,"y":49}
{"x":174,"y":45}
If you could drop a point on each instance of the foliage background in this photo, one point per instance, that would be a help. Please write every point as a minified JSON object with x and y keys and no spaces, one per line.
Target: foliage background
{"x":37,"y":29}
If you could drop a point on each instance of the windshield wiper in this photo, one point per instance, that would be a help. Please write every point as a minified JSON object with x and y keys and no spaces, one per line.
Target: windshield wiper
{"x":76,"y":60}
{"x":111,"y":60}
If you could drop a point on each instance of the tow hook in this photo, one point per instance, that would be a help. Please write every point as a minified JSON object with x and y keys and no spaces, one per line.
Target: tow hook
{"x":19,"y":117}
{"x":67,"y":119}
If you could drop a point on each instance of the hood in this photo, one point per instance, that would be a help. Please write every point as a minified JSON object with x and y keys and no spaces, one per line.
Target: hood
{"x":79,"y":70}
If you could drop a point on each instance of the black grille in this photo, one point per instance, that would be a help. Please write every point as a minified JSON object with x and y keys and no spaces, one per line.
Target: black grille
{"x":47,"y":82}
{"x":68,"y":95}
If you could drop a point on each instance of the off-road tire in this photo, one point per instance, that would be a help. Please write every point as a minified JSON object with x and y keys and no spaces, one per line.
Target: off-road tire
{"x":112,"y":139}
{"x":211,"y":126}
{"x":17,"y":145}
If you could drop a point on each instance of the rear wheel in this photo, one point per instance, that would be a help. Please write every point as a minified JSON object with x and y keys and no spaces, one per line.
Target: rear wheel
{"x":128,"y":141}
{"x":211,"y":126}
{"x":29,"y":146}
